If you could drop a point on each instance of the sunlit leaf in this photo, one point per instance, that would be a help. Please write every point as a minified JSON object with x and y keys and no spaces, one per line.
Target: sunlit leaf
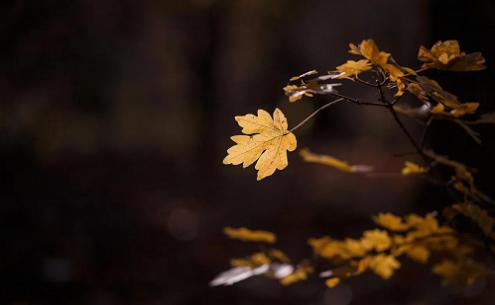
{"x":300,"y":273}
{"x":376,"y":239}
{"x":245,"y":234}
{"x":384,"y":265}
{"x":308,"y":156}
{"x":411,"y":168}
{"x":447,"y":55}
{"x":268,"y":145}
{"x":332,"y":282}
{"x":391,"y":222}
{"x":352,"y":68}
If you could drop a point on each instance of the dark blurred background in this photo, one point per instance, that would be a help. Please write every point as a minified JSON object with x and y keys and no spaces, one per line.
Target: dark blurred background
{"x":115,"y":117}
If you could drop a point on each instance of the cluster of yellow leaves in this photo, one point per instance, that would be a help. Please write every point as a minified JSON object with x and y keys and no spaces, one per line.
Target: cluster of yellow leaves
{"x":411,"y":168}
{"x":447,"y":105}
{"x":265,"y":140}
{"x":245,"y":234}
{"x":378,"y":250}
{"x":447,"y":55}
{"x":327,"y":160}
{"x":369,"y":50}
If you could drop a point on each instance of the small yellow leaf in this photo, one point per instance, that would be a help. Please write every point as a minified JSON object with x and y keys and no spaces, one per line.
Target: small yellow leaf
{"x":279,"y":255}
{"x":411,"y":168}
{"x":308,"y":156}
{"x":300,"y":274}
{"x":255,"y":260}
{"x":439,"y":108}
{"x":353,"y":49}
{"x":245,"y":234}
{"x":296,"y":93}
{"x":384,"y":265}
{"x":369,"y":50}
{"x":352,"y":68}
{"x":391,"y":222}
{"x":268,"y":145}
{"x":418,"y":253}
{"x":376,"y":239}
{"x":332,"y":282}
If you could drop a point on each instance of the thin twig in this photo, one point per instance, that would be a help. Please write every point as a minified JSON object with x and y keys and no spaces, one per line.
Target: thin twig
{"x":425,"y":131}
{"x":309,"y":117}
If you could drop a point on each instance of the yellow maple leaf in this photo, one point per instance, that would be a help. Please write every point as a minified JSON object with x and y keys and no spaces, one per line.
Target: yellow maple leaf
{"x":376,"y":239}
{"x":411,"y":168}
{"x":391,"y":222}
{"x":267,"y":140}
{"x":369,"y":50}
{"x":351,"y":68}
{"x":308,"y":156}
{"x":245,"y":234}
{"x":384,"y":265}
{"x":447,"y":55}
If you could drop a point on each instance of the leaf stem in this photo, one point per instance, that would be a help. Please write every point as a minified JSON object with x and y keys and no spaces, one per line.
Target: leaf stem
{"x":309,"y":117}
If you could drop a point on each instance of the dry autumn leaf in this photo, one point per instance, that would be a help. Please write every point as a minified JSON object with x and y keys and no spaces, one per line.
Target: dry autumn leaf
{"x":245,"y":234}
{"x":447,"y":55}
{"x":332,"y":282}
{"x":266,"y":139}
{"x":369,"y":50}
{"x":352,"y":68}
{"x":411,"y":168}
{"x":308,"y":156}
{"x":383,"y":265}
{"x":391,"y":222}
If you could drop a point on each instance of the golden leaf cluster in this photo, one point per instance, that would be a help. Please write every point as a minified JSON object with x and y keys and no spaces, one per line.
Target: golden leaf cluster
{"x":447,"y":55}
{"x":378,"y":250}
{"x":369,"y":50}
{"x":266,"y":139}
